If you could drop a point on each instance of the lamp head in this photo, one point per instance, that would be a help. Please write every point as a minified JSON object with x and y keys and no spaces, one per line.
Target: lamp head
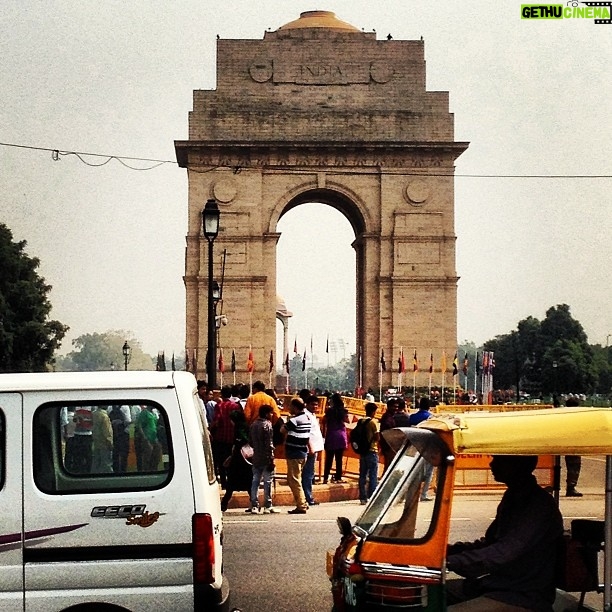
{"x":210,"y":219}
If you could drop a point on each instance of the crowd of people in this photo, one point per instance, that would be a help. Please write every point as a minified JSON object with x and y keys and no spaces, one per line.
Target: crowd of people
{"x":246,"y":426}
{"x":100,"y":439}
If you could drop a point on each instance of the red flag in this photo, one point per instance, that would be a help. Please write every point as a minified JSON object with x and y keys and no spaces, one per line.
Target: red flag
{"x":415,"y":362}
{"x":485,"y":362}
{"x":271,"y":361}
{"x":401,"y":363}
{"x":250,"y":362}
{"x":221,"y":363}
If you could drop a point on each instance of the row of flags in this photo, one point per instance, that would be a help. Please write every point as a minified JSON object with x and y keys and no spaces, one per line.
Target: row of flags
{"x":485,"y":362}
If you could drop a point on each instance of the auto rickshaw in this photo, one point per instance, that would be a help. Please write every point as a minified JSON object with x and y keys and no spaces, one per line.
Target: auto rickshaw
{"x":394,"y":557}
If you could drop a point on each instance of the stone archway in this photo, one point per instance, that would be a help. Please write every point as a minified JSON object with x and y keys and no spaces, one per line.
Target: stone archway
{"x":320,"y":111}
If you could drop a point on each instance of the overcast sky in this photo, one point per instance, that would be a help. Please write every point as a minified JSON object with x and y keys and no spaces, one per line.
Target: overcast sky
{"x":116,"y":78}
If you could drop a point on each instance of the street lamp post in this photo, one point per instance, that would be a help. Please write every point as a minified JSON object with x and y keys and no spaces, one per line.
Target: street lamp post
{"x":210,"y":225}
{"x":127,"y":353}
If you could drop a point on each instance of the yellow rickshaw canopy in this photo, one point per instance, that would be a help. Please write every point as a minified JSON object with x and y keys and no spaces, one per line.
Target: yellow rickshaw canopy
{"x":558,"y":431}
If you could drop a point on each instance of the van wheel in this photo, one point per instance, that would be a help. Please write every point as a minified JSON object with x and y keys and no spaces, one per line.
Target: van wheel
{"x":95,"y":607}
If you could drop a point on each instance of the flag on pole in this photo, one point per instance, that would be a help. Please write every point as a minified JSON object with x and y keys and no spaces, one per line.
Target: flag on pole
{"x":415,"y":362}
{"x":271,"y":361}
{"x":485,"y":362}
{"x":221,"y":363}
{"x":401,"y":362}
{"x":287,"y":363}
{"x":250,"y":361}
{"x":466,"y":364}
{"x":173,"y":363}
{"x":455,"y":365}
{"x":327,"y":344}
{"x":431,"y":368}
{"x":383,"y":363}
{"x":478,"y":366}
{"x":295,"y":346}
{"x":443,"y":364}
{"x":233,"y":366}
{"x":304,"y":361}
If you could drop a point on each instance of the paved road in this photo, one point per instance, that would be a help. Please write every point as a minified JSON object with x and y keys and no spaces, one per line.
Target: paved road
{"x":277,"y":562}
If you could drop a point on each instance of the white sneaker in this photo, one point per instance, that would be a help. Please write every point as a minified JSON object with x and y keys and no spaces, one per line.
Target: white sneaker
{"x":252,"y":510}
{"x":271,"y":511}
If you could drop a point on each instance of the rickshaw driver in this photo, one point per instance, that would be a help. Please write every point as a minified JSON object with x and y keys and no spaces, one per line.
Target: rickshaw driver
{"x":513,"y":566}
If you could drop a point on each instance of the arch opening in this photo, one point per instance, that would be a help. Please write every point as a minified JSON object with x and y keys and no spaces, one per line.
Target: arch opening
{"x":316,"y":278}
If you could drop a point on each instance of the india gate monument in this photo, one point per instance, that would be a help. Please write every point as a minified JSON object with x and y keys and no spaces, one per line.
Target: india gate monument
{"x":319,"y":111}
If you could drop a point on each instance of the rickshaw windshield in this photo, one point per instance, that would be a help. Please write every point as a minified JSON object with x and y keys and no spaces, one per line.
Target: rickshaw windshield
{"x":396,"y":510}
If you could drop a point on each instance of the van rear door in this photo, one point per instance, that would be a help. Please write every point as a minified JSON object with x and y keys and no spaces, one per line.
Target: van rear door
{"x":11,"y":505}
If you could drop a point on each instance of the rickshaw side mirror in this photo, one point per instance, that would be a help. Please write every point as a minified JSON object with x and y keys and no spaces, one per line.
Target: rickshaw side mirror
{"x":344,"y":525}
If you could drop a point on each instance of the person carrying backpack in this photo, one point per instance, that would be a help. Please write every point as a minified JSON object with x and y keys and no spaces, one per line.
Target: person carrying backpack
{"x":364,"y":440}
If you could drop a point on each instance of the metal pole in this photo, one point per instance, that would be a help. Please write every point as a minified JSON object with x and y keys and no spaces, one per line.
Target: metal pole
{"x":211,"y":372}
{"x":608,"y":536}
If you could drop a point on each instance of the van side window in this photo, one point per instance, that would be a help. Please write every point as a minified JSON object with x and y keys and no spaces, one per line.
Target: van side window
{"x":100,"y":447}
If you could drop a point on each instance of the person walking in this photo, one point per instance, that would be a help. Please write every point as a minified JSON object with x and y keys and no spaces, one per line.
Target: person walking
{"x":260,"y":438}
{"x":315,"y":446}
{"x":368,"y":461}
{"x":239,"y":473}
{"x":222,"y":432}
{"x":422,"y":414}
{"x":387,"y":421}
{"x":336,"y":441}
{"x":297,"y":431}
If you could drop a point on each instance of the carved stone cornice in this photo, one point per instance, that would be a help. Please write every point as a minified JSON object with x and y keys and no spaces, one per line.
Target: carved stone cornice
{"x":206,"y":154}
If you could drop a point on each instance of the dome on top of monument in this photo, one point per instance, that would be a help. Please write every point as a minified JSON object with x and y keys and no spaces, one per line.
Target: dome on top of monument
{"x":319,"y":19}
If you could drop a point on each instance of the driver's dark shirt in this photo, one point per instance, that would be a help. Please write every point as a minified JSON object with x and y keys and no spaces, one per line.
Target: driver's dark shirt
{"x":516,"y":558}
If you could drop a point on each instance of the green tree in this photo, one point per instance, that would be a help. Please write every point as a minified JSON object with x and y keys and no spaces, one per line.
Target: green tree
{"x":28,"y":339}
{"x":567,"y":359}
{"x":105,"y":352}
{"x":551,"y":356}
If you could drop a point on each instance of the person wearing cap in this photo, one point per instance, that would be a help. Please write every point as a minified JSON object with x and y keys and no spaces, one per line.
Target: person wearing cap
{"x":513,"y":566}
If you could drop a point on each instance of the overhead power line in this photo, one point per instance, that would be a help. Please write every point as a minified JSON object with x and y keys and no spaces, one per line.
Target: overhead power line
{"x":56,"y":155}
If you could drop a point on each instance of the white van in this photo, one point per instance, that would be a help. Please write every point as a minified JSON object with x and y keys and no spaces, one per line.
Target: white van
{"x":108,"y":496}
